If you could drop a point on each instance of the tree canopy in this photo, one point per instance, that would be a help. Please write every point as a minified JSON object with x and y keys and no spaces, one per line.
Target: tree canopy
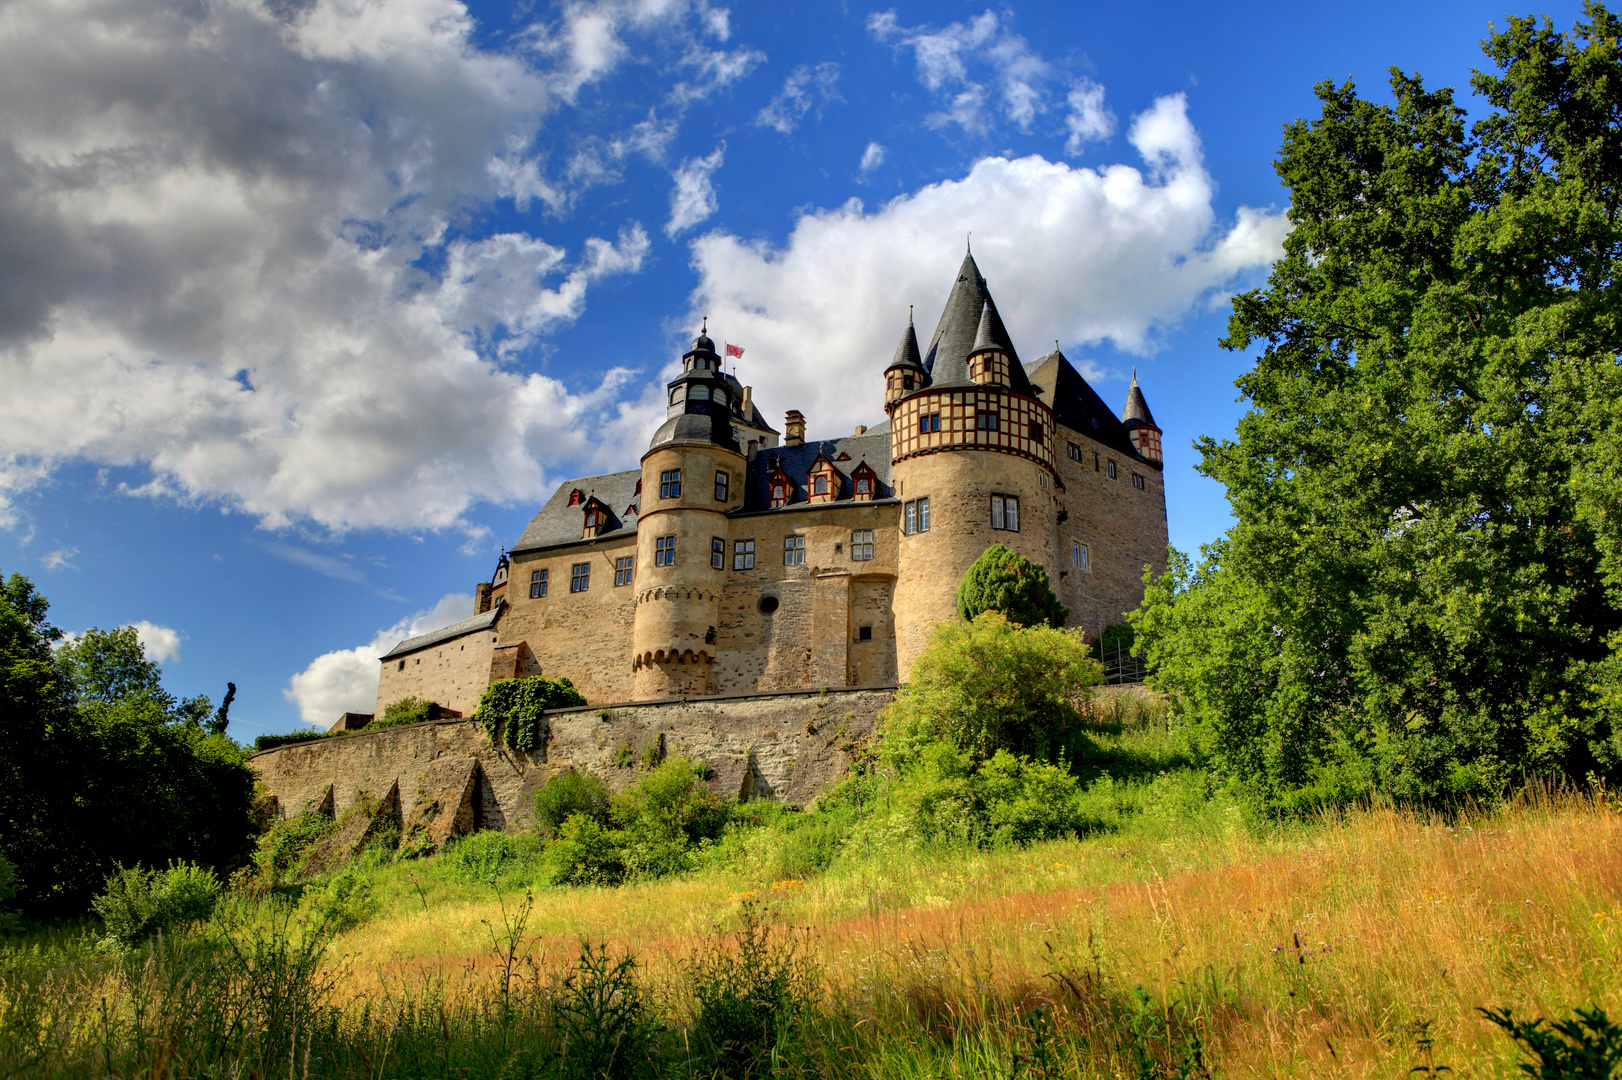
{"x":1421,"y":592}
{"x":100,"y":766}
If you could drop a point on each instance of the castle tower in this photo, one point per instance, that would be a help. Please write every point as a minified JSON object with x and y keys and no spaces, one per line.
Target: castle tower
{"x":972,"y":461}
{"x":692,"y":475}
{"x":1140,"y":424}
{"x":906,"y":372}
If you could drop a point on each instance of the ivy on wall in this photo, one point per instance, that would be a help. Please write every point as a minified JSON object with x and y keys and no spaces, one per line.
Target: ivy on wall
{"x":511,"y":710}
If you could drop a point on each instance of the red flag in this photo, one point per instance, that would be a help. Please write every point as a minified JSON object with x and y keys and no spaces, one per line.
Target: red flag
{"x":735,"y":350}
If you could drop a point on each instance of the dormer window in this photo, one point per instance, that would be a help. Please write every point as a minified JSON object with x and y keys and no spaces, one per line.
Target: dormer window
{"x":862,"y":487}
{"x":864,"y":481}
{"x":780,"y":487}
{"x":576,"y":497}
{"x":778,"y":497}
{"x":593,"y":519}
{"x":820,"y":485}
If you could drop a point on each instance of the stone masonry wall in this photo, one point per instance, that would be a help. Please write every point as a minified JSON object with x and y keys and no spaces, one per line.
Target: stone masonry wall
{"x":453,"y":673}
{"x":448,"y":776}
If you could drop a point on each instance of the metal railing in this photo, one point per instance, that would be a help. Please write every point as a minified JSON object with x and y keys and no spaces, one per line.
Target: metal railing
{"x":1121,"y":665}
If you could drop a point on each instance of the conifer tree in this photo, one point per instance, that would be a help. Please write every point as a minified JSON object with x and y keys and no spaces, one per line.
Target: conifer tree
{"x":1006,"y":581}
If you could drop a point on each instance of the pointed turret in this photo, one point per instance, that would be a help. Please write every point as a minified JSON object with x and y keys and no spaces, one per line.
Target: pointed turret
{"x":1140,"y":423}
{"x":988,"y":359}
{"x":906,"y":372}
{"x":957,"y":333}
{"x":985,"y":339}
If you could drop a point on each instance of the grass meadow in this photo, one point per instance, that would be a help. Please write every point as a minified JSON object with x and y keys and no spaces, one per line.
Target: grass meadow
{"x":1182,"y":938}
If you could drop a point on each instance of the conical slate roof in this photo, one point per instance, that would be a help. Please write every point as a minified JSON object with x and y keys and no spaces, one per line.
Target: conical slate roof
{"x":906,"y":353}
{"x":985,"y":339}
{"x":947,"y":360}
{"x":1136,"y":413}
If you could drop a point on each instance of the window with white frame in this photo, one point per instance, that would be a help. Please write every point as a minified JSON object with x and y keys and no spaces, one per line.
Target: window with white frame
{"x":664,"y":551}
{"x":580,"y":577}
{"x":861,"y":545}
{"x":718,"y":553}
{"x":1005,"y":512}
{"x":915,"y":516}
{"x":793,"y":550}
{"x":723,"y":485}
{"x":622,"y":571}
{"x":743,"y":554}
{"x":1080,"y":557}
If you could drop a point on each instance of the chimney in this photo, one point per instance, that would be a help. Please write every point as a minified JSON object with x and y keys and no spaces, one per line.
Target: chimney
{"x":861,"y":429}
{"x":793,"y":428}
{"x":481,"y":598}
{"x":748,"y":402}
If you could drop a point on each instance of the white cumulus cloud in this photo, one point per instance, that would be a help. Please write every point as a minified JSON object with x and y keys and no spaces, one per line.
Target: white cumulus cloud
{"x":872,"y":157}
{"x":160,"y":643}
{"x":215,"y":220}
{"x":345,"y":680}
{"x":1076,"y":254}
{"x":692,"y":200}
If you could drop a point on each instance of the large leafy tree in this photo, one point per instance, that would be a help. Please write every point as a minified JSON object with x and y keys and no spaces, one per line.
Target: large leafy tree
{"x":1421,"y":593}
{"x":101,"y":766}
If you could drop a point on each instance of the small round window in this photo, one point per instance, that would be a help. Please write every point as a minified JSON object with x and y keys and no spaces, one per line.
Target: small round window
{"x":767,"y":605}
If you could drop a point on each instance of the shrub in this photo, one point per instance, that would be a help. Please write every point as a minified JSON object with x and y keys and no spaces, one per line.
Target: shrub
{"x":571,"y":792}
{"x":604,"y":1027}
{"x":283,"y":849}
{"x":271,"y":742}
{"x":1006,"y":581}
{"x":488,"y":855}
{"x":584,"y":853}
{"x":748,"y":996}
{"x":341,"y":903}
{"x":664,"y":815}
{"x":138,"y":903}
{"x":510,"y":710}
{"x":989,"y":685}
{"x":409,"y":710}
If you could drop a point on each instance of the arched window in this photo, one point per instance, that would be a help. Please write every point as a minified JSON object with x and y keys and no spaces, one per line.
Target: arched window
{"x":861,"y":485}
{"x":821,"y":487}
{"x":777,"y":492}
{"x":592,"y":520}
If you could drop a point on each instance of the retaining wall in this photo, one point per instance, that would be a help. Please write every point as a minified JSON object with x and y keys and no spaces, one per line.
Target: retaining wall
{"x":447,"y":775}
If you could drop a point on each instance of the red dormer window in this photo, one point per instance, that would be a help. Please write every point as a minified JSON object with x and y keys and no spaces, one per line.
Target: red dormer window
{"x":596,"y":519}
{"x":575,"y":497}
{"x":781,"y":488}
{"x":639,"y":487}
{"x":825,"y":480}
{"x":865,"y":481}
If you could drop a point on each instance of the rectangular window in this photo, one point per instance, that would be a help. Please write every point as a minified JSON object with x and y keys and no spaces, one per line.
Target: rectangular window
{"x":622,"y":571}
{"x":1074,"y":451}
{"x":723,"y":485}
{"x":986,"y":420}
{"x":929,"y":423}
{"x":580,"y":577}
{"x":1080,"y":557}
{"x":1005,"y":513}
{"x":743,"y":554}
{"x":864,"y":633}
{"x":793,"y":551}
{"x":1111,"y":468}
{"x":670,"y":484}
{"x":664,"y":551}
{"x":1137,"y":481}
{"x":1036,"y":431}
{"x":915,"y":516}
{"x":861,"y":545}
{"x":537,"y":583}
{"x":718,"y":553}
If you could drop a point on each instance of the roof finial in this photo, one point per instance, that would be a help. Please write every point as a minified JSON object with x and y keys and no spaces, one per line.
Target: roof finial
{"x":706,"y":328}
{"x":1055,"y":344}
{"x":968,"y":242}
{"x":909,"y":314}
{"x":1134,"y":375}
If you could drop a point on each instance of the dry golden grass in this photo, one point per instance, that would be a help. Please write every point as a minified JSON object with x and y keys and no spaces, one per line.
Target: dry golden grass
{"x":1310,"y":952}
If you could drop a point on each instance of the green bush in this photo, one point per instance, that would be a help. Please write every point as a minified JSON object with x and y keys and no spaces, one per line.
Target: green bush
{"x":271,"y":742}
{"x":584,"y":853}
{"x":605,"y":1031}
{"x":408,"y":710}
{"x":1006,"y":581}
{"x":282,"y":850}
{"x":748,"y":997}
{"x":341,"y":903}
{"x":511,"y":710}
{"x":990,"y":685}
{"x":489,"y":855}
{"x":665,"y":815}
{"x":137,"y":903}
{"x":571,"y":792}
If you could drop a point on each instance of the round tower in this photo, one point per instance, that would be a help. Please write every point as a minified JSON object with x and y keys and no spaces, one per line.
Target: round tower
{"x":692,"y":475}
{"x":1140,"y":425}
{"x":971,"y":461}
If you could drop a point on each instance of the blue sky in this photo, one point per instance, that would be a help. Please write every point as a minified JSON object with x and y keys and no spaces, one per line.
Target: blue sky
{"x":306,"y":306}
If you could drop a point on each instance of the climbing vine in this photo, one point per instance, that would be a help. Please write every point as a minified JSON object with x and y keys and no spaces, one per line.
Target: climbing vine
{"x":511,"y":710}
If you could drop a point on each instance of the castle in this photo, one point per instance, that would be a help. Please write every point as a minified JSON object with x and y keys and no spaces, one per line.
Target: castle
{"x":738,"y":559}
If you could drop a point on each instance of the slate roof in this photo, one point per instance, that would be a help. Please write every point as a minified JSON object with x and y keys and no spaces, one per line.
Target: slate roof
{"x":947,"y":360}
{"x":1137,"y":411}
{"x":559,"y":523}
{"x":447,"y":633}
{"x":872,"y":447}
{"x":906,"y":353}
{"x":1077,"y":405}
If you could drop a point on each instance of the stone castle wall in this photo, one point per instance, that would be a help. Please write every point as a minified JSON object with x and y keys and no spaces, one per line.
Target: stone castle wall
{"x":448,"y":776}
{"x":453,"y":673}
